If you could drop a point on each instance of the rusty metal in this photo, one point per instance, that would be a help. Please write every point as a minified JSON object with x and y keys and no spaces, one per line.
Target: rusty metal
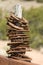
{"x":19,"y":43}
{"x":17,"y":37}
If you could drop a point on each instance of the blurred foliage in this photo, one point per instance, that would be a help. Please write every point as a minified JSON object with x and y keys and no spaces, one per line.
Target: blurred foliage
{"x":28,"y":0}
{"x":40,"y":1}
{"x":35,"y":19}
{"x":3,"y":27}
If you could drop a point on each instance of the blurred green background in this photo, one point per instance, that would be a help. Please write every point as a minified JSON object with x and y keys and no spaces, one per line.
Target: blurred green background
{"x":35,"y":19}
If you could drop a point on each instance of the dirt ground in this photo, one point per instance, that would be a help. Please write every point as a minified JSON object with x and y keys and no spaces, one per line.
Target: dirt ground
{"x":37,"y":56}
